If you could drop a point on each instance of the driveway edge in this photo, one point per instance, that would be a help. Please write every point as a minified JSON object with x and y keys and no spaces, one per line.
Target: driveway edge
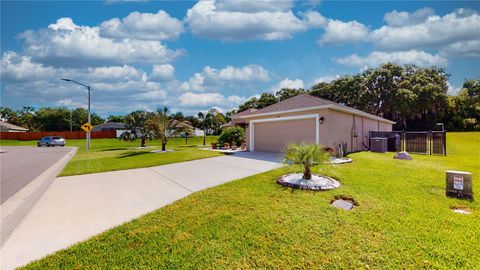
{"x":16,"y":208}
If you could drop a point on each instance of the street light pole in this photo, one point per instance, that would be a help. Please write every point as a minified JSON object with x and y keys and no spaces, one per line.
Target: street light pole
{"x":89,"y":118}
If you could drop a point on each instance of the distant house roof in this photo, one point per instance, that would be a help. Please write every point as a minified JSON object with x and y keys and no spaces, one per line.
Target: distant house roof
{"x":228,"y":124}
{"x":4,"y":126}
{"x":109,"y":126}
{"x":304,"y":102}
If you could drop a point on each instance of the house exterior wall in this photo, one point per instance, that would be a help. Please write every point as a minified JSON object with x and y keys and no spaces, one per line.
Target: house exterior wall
{"x":336,"y":128}
{"x":385,"y":126}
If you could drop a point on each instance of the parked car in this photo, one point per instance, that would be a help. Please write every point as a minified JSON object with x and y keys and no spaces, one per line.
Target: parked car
{"x":51,"y":141}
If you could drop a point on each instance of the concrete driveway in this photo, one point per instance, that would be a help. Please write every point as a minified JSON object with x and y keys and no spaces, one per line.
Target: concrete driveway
{"x":75,"y":208}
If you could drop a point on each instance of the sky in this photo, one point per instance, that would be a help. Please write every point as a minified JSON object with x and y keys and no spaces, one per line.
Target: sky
{"x":192,"y":56}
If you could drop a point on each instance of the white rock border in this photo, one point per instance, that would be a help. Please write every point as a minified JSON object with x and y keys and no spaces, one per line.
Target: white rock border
{"x":318,"y":182}
{"x":339,"y":161}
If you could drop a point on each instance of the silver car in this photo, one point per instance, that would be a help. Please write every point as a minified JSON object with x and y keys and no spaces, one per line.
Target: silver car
{"x":51,"y":141}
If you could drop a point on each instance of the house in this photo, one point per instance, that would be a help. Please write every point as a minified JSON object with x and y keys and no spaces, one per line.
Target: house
{"x":7,"y":127}
{"x":119,"y":128}
{"x":305,"y":118}
{"x":197,"y":132}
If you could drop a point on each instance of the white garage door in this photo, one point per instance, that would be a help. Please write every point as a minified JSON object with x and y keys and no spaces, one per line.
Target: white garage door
{"x":273,"y":136}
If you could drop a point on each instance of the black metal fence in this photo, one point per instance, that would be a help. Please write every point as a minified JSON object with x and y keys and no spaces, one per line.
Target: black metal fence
{"x":419,"y":142}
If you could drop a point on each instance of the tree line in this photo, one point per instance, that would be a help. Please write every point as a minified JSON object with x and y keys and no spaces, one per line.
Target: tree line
{"x":416,"y":98}
{"x":63,"y":119}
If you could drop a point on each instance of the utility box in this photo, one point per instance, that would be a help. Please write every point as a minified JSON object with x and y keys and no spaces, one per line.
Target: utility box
{"x":378,"y":145}
{"x":459,"y":184}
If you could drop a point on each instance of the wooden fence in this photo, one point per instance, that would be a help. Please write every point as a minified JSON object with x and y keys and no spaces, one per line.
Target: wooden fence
{"x":28,"y":136}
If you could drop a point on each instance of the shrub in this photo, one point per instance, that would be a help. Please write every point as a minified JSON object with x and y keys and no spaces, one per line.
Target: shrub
{"x":307,"y":155}
{"x":233,"y":135}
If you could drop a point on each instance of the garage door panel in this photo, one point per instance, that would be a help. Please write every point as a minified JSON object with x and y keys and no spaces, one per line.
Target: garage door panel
{"x":272,"y":136}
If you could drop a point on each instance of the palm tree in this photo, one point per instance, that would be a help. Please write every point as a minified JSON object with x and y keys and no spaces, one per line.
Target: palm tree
{"x":163,"y":127}
{"x":201,"y":117}
{"x":307,"y":155}
{"x":136,"y":128}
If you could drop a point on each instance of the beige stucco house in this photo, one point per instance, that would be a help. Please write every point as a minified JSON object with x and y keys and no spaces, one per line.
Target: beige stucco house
{"x":309,"y":119}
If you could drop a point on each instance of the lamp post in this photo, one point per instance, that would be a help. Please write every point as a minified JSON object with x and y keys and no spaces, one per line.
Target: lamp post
{"x":88,"y":88}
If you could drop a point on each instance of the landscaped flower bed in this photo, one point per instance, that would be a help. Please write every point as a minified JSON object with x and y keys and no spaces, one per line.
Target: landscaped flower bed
{"x":318,"y":182}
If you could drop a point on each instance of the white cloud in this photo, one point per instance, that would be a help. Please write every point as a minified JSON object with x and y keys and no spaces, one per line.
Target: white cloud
{"x":470,"y":48}
{"x":21,"y":68}
{"x":66,"y":44}
{"x":254,"y":6}
{"x":433,"y":32}
{"x":337,"y":32}
{"x":212,"y":77}
{"x":230,"y":73}
{"x":113,"y":73}
{"x":452,"y":90}
{"x":326,"y":79}
{"x":248,"y":20}
{"x":209,"y":100}
{"x":396,"y":18}
{"x":162,"y":72}
{"x":287,"y":83}
{"x":148,"y":26}
{"x":376,"y":58}
{"x":194,"y":83}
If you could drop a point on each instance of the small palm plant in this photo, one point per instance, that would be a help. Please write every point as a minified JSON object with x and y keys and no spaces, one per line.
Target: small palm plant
{"x":305,"y":154}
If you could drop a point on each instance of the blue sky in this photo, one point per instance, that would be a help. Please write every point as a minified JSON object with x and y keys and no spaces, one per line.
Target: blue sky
{"x":192,"y":56}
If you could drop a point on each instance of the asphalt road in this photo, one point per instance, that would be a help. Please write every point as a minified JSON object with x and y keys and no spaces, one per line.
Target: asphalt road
{"x":19,"y":165}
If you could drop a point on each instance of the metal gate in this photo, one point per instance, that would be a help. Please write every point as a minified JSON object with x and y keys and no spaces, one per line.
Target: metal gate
{"x":416,"y":142}
{"x":419,"y":142}
{"x":438,"y":143}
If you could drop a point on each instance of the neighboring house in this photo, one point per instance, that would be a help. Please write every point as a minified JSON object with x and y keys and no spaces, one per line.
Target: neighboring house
{"x":198,"y":132}
{"x":7,"y":127}
{"x":309,"y":119}
{"x":118,"y":127}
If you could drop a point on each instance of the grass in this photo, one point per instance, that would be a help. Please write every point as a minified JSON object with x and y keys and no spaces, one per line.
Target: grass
{"x":403,"y":220}
{"x":113,"y":154}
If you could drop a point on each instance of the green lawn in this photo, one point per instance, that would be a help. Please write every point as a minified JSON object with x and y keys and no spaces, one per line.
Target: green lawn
{"x":113,"y":154}
{"x":403,"y":220}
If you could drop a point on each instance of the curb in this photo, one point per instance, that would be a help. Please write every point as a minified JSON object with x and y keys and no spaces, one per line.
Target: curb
{"x":17,"y":207}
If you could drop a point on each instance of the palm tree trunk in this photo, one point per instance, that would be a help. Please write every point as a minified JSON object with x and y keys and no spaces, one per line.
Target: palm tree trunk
{"x":204,"y":135}
{"x":307,"y":173}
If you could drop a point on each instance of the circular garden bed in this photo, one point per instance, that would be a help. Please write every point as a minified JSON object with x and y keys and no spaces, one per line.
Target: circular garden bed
{"x":318,"y":182}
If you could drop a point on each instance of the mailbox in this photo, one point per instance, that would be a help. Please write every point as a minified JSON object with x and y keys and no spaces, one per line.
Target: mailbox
{"x":459,"y":184}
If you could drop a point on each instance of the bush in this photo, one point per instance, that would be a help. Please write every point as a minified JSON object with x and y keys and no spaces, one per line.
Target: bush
{"x":232,"y":135}
{"x":306,"y":155}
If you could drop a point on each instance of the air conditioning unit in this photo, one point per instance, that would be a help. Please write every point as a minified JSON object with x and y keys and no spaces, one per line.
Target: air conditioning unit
{"x":378,"y":145}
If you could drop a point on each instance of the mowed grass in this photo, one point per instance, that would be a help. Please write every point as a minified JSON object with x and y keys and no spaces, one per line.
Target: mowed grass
{"x":403,"y":220}
{"x":113,"y":154}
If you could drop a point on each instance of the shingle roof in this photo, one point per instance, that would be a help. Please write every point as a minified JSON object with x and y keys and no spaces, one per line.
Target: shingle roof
{"x":108,"y":126}
{"x":8,"y":126}
{"x":296,"y":102}
{"x":303,"y":102}
{"x":243,"y":113}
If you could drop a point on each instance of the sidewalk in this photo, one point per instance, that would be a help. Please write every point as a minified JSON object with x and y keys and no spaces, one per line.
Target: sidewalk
{"x":76,"y":208}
